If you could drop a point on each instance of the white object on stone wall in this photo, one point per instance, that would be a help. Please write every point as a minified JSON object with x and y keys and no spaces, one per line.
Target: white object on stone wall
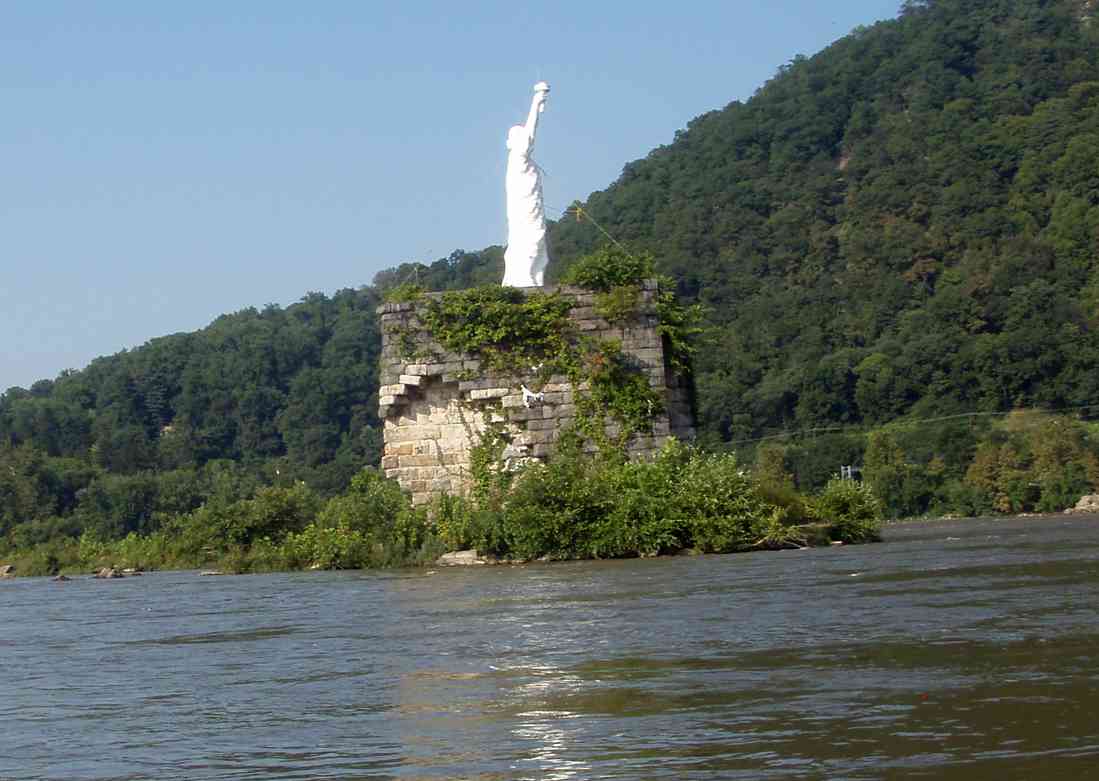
{"x":525,"y":259}
{"x":529,"y":397}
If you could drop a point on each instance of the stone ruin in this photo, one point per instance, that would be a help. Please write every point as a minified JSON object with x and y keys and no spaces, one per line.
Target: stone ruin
{"x":435,"y":411}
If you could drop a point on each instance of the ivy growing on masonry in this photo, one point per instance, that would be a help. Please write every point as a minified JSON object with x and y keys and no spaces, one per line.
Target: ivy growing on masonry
{"x":520,"y":334}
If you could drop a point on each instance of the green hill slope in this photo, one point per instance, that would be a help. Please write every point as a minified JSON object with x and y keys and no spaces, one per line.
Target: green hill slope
{"x":906,"y":222}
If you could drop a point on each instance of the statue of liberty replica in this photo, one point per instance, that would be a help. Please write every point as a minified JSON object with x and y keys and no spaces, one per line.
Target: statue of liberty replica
{"x":525,"y":259}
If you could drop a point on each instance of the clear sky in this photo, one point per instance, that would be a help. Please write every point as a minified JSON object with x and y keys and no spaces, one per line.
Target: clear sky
{"x":163,"y":163}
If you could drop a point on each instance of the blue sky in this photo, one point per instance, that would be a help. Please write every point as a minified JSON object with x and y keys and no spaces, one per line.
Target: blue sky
{"x":164,"y":163}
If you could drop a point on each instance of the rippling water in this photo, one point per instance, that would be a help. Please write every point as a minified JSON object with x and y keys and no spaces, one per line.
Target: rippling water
{"x":960,"y":650}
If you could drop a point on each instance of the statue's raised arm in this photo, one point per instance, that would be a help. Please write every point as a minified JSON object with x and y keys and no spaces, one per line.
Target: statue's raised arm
{"x":525,"y":259}
{"x":537,"y":106}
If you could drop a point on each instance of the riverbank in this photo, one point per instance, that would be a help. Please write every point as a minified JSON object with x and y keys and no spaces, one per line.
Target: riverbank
{"x":579,"y":506}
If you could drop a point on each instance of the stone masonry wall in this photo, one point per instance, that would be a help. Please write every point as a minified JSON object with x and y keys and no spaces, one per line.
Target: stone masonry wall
{"x":436,"y":409}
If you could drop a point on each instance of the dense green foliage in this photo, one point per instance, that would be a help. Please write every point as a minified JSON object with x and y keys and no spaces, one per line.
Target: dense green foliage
{"x":584,"y":505}
{"x":527,"y":333}
{"x":903,"y":226}
{"x":257,"y":398}
{"x":502,"y":326}
{"x":1021,"y":462}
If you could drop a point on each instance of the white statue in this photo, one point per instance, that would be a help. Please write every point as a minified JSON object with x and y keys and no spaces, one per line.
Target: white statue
{"x":525,"y":259}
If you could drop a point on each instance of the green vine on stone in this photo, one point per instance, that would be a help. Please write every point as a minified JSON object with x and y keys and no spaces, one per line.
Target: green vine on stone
{"x":617,"y":388}
{"x":505,"y":329}
{"x":531,"y":333}
{"x":616,"y":275}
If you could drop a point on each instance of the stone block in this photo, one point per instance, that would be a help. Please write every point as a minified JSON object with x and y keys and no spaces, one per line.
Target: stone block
{"x":387,"y":401}
{"x":489,"y":393}
{"x":392,"y":390}
{"x":480,"y":384}
{"x":539,"y":437}
{"x":410,"y":379}
{"x":417,"y":461}
{"x":542,"y":425}
{"x":651,"y":356}
{"x":513,"y":401}
{"x":521,"y":413}
{"x":416,"y":369}
{"x":390,"y":462}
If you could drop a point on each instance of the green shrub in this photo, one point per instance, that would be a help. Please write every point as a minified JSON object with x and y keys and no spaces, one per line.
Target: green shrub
{"x":609,"y":267}
{"x":404,"y":293}
{"x":852,"y":510}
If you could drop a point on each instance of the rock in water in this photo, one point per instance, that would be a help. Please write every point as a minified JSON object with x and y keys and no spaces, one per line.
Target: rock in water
{"x":1087,"y":504}
{"x":7,"y":571}
{"x":461,"y":558}
{"x":107,"y":573}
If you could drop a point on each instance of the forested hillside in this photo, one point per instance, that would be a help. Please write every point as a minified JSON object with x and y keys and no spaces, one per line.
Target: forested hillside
{"x":904,"y":225}
{"x":255,"y":398}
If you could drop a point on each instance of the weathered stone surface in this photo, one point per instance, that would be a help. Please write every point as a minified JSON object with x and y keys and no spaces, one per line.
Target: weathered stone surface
{"x":462,"y":558}
{"x":437,"y":405}
{"x":1087,"y":504}
{"x":489,"y":393}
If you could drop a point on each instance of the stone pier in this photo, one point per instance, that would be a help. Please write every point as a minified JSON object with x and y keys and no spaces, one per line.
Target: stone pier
{"x":436,"y":405}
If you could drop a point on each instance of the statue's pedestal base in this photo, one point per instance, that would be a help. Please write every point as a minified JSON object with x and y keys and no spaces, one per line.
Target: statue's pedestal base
{"x":436,"y":411}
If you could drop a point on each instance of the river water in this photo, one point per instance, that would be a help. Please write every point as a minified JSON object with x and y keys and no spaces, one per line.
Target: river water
{"x":955,"y":650}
